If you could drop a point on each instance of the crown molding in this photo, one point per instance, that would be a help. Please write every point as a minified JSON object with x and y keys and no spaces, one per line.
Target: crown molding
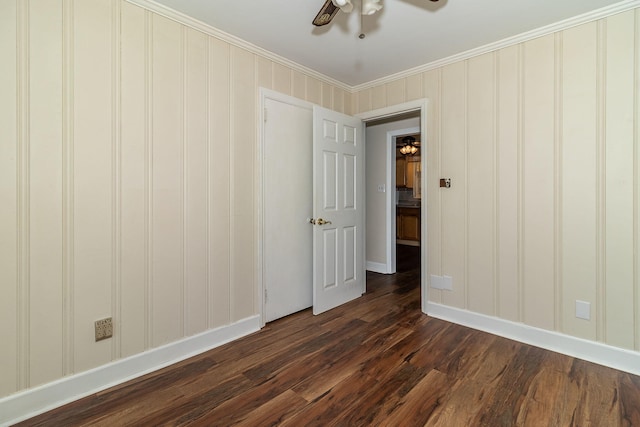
{"x":183,"y":19}
{"x":594,"y":15}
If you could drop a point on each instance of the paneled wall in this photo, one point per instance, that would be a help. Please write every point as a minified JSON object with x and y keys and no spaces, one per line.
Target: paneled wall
{"x":126,"y":181}
{"x":540,"y":140}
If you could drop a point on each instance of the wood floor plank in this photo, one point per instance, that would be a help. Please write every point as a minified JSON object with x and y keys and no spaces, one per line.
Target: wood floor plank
{"x":275,"y":411}
{"x":460,"y":405}
{"x":419,"y":404}
{"x":326,"y":409}
{"x":629,"y":395}
{"x":593,"y":395}
{"x":505,"y":402}
{"x":341,"y":368}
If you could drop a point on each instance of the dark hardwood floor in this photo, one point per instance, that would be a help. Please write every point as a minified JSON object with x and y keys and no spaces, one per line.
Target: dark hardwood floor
{"x":375,"y":361}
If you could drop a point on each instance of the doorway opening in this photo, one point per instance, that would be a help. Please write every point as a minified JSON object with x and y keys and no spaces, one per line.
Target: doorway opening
{"x":394,"y":196}
{"x":270,"y":207}
{"x":414,"y":256}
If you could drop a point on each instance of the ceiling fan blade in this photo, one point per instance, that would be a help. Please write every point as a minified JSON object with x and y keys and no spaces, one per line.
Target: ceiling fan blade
{"x":326,"y":14}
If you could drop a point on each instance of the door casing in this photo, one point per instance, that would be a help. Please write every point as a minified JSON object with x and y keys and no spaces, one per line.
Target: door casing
{"x":412,"y":106}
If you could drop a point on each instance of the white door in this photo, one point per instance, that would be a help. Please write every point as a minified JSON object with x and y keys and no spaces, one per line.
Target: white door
{"x":338,"y":209}
{"x":287,"y":182}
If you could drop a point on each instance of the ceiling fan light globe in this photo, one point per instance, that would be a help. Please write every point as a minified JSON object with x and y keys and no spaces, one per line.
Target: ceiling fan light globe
{"x":369,"y":7}
{"x":345,"y":5}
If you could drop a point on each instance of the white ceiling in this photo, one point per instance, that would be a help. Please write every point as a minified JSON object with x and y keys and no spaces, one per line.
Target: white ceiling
{"x":403,"y":35}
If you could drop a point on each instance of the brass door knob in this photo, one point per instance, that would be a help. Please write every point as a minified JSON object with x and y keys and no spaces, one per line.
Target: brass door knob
{"x":319,"y":221}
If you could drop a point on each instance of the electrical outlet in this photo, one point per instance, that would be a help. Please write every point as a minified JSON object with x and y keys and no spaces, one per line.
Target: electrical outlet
{"x":444,"y":283}
{"x":104,"y":329}
{"x":583,"y":310}
{"x":436,"y":281}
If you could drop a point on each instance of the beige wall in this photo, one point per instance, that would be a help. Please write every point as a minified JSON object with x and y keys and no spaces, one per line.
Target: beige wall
{"x":126,"y":181}
{"x":540,"y":141}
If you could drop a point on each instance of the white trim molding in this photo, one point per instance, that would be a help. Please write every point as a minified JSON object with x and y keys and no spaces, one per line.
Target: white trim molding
{"x":378,"y":267}
{"x":591,"y":351}
{"x":510,"y":41}
{"x":29,"y":403}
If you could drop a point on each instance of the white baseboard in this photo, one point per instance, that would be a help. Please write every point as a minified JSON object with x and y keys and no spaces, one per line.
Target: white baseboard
{"x":407,"y":242}
{"x":29,"y":403}
{"x":591,"y":351}
{"x":377,"y":267}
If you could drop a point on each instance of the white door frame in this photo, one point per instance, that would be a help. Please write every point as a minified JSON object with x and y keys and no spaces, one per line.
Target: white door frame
{"x":417,"y":105}
{"x":394,"y":110}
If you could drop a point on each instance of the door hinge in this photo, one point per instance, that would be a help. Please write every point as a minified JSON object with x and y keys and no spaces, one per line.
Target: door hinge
{"x":265,"y":295}
{"x":265,"y":114}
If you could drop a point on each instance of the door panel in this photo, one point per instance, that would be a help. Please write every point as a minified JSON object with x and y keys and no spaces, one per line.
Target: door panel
{"x":287,"y":157}
{"x":338,"y":177}
{"x":329,"y":184}
{"x":349,"y":182}
{"x":330,"y":246}
{"x":350,"y":247}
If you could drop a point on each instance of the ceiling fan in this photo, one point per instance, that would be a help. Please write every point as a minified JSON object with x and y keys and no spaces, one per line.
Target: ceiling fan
{"x":331,"y":8}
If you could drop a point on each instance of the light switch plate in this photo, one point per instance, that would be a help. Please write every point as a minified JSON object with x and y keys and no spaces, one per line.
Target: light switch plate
{"x":583,"y":310}
{"x":436,"y":282}
{"x":444,"y":283}
{"x":381,"y":188}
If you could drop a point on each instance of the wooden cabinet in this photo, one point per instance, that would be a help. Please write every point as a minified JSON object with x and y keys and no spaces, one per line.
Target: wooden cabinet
{"x":411,"y":173}
{"x":406,"y":171}
{"x":401,"y":172}
{"x":408,"y":223}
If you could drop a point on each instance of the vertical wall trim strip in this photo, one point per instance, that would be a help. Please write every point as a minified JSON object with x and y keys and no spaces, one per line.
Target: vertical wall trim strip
{"x":636,"y":180}
{"x":67,"y":188}
{"x":440,"y":207}
{"x":557,"y":190}
{"x":521,"y":184}
{"x":23,"y":192}
{"x":116,"y":291}
{"x":601,"y":260}
{"x":208,"y":70}
{"x":465,"y":273}
{"x":148,"y":112}
{"x":496,"y":184}
{"x":291,"y":77}
{"x":257,"y":160}
{"x":185,"y":179}
{"x":232,"y":220}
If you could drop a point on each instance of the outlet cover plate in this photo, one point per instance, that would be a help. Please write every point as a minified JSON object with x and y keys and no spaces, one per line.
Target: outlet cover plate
{"x":103,"y":329}
{"x":447,"y":283}
{"x":444,"y":283}
{"x":436,"y":282}
{"x":583,"y":310}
